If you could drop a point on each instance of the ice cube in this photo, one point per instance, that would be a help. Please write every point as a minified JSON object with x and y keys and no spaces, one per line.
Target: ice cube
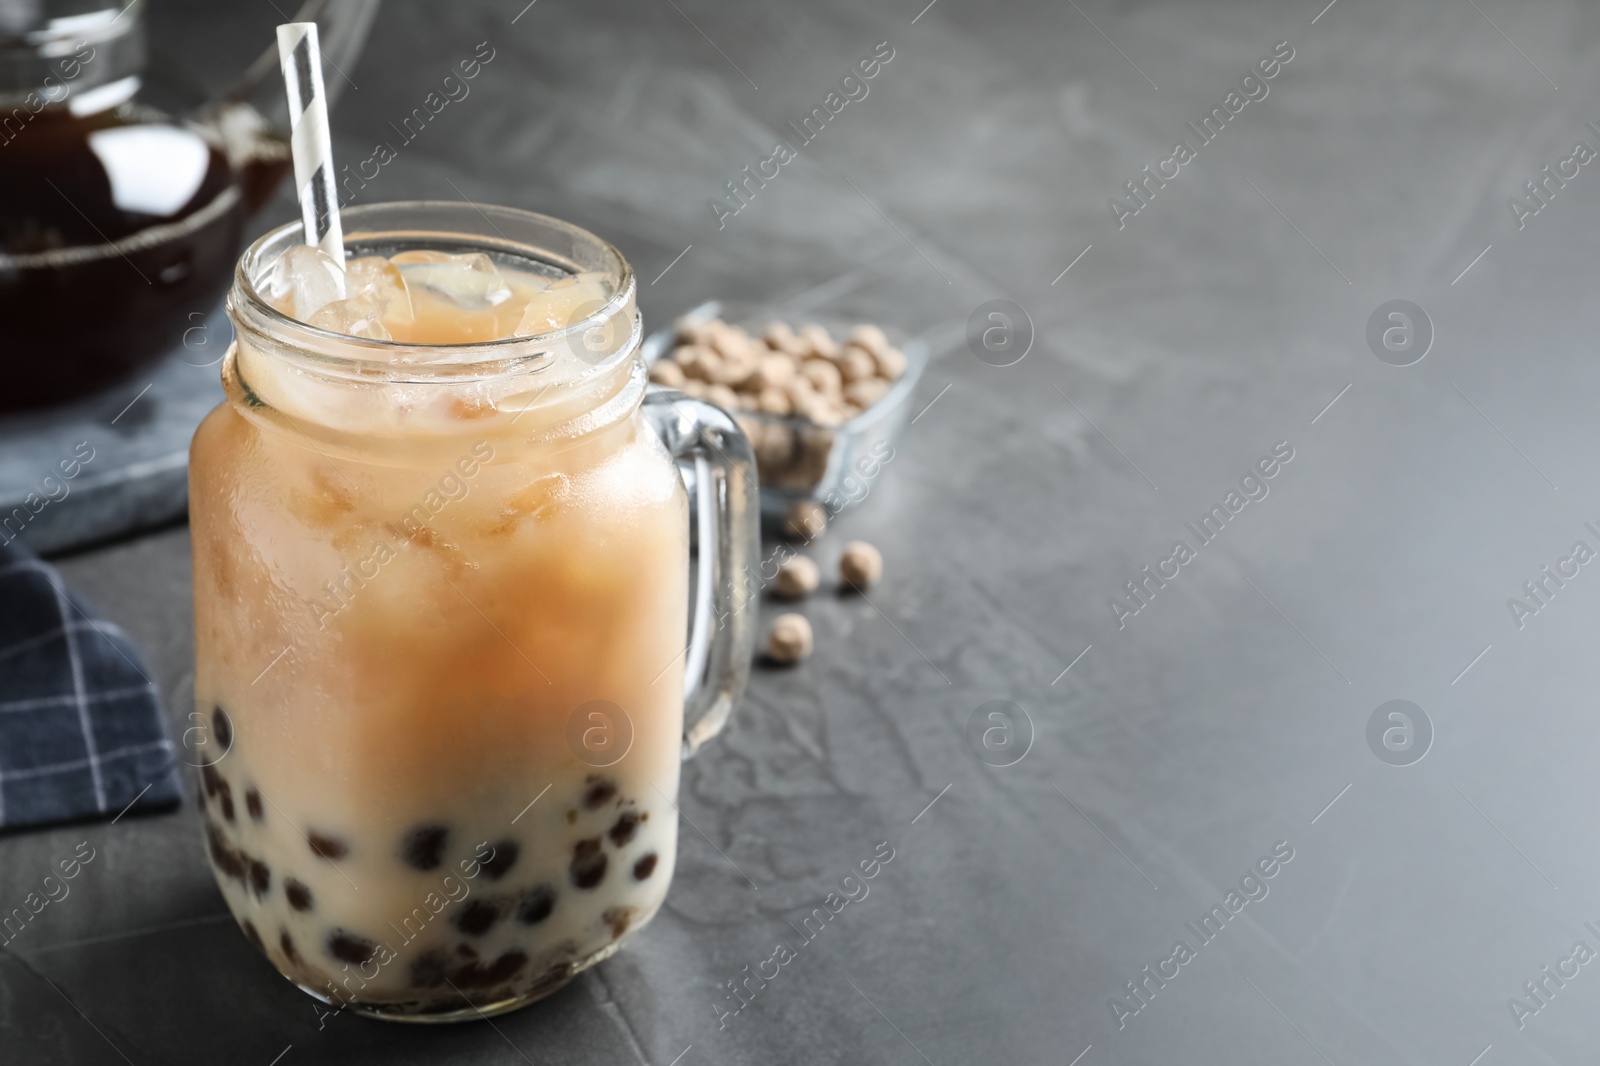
{"x":565,"y":303}
{"x":303,"y":281}
{"x":381,"y":279}
{"x":359,"y":316}
{"x":467,"y":282}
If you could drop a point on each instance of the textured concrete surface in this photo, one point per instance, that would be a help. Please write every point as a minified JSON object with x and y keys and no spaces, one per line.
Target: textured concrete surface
{"x":1228,"y":717}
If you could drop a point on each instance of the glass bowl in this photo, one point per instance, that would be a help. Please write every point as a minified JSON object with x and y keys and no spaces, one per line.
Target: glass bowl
{"x":798,"y":459}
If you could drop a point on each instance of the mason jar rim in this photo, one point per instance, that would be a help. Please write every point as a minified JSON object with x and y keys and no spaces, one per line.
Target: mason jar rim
{"x":449,"y":220}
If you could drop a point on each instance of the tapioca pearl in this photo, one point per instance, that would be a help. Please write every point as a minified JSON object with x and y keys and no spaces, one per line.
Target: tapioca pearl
{"x":223,"y":857}
{"x":227,"y":802}
{"x":429,"y":970}
{"x":626,"y":826}
{"x":249,"y":928}
{"x":644,"y":867}
{"x":618,"y":918}
{"x":252,"y":803}
{"x":260,"y":876}
{"x":327,"y":847}
{"x":286,"y":943}
{"x":423,"y":846}
{"x":599,"y":792}
{"x":348,"y":947}
{"x":502,"y":858}
{"x":212,"y":779}
{"x":588,"y":863}
{"x":536,"y":905}
{"x":221,"y":729}
{"x":298,"y":894}
{"x":476,"y":917}
{"x":477,"y":975}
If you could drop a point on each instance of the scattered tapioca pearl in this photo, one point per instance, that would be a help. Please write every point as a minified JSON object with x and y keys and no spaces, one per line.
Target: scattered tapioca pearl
{"x":260,"y":876}
{"x":503,"y":858}
{"x":299,"y":895}
{"x":327,"y":847}
{"x":347,"y":947}
{"x":618,"y":918}
{"x":227,"y":802}
{"x":223,"y":857}
{"x":626,"y":826}
{"x":477,"y":917}
{"x":222,"y":729}
{"x":211,"y":779}
{"x":588,"y":863}
{"x":644,"y":867}
{"x":255,"y":937}
{"x":252,"y":803}
{"x":422,"y":847}
{"x":600,"y":791}
{"x":286,"y":942}
{"x":429,"y":970}
{"x":536,"y":905}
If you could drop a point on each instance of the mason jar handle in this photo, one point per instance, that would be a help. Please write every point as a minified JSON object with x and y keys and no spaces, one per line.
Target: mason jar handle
{"x":726,"y":512}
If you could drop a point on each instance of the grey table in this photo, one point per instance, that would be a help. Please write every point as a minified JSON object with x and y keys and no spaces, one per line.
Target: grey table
{"x":1157,"y":757}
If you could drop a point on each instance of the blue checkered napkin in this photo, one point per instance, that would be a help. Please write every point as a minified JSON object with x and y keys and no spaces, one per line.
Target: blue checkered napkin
{"x":81,"y":733}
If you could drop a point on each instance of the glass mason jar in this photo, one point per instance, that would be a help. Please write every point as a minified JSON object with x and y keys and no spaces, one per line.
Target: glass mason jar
{"x":441,"y":608}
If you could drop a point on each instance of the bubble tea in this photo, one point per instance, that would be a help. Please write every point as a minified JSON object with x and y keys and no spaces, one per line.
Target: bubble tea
{"x":441,"y":588}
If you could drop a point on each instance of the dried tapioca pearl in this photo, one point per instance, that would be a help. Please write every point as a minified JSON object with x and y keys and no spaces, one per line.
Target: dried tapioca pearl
{"x":588,"y":863}
{"x":778,"y":334}
{"x":891,"y":362}
{"x":857,"y":364}
{"x":820,"y":340}
{"x":866,"y":392}
{"x":260,"y":876}
{"x":692,"y":333}
{"x":797,"y":577}
{"x":774,"y":401}
{"x":644,"y":867}
{"x":327,"y":847}
{"x":286,"y":943}
{"x":775,"y":368}
{"x":501,"y":860}
{"x":255,"y":937}
{"x":422,"y":847}
{"x":823,"y":375}
{"x":626,"y":825}
{"x":869,"y":336}
{"x":723,"y":397}
{"x":697,"y":361}
{"x":861,"y":565}
{"x":790,"y":639}
{"x":598,"y":792}
{"x":221,"y":729}
{"x":536,"y":905}
{"x":667,"y":373}
{"x":299,"y":895}
{"x":806,"y":520}
{"x":347,"y":947}
{"x":252,"y":803}
{"x":476,"y":917}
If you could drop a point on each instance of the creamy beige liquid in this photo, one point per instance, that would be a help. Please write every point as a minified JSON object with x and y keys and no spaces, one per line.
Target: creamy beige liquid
{"x":403,"y":597}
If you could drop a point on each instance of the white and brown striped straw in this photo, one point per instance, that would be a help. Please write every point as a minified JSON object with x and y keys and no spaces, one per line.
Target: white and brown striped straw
{"x":312,"y":145}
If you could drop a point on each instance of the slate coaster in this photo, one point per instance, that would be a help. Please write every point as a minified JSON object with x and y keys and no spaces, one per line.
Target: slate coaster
{"x":127,"y":449}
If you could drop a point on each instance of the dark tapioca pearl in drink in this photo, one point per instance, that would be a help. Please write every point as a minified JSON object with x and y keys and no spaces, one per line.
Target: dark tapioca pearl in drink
{"x":211,"y":779}
{"x":588,"y":863}
{"x":536,"y":905}
{"x":600,"y":792}
{"x":429,"y":970}
{"x":477,"y":975}
{"x":347,"y":947}
{"x":477,"y":917}
{"x":221,"y":730}
{"x":260,"y":876}
{"x":286,"y":942}
{"x":223,"y":857}
{"x":422,"y":848}
{"x":626,"y":826}
{"x":255,"y":937}
{"x":227,"y":802}
{"x":618,"y":918}
{"x":644,"y":867}
{"x":327,"y":847}
{"x":298,"y":894}
{"x":502,"y":859}
{"x":572,"y":817}
{"x":252,"y":803}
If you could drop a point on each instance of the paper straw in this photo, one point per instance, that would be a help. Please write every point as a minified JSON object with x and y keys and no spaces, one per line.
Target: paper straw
{"x":311,"y":143}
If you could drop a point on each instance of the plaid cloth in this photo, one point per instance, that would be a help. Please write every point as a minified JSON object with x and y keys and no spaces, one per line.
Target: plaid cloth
{"x":81,"y":733}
